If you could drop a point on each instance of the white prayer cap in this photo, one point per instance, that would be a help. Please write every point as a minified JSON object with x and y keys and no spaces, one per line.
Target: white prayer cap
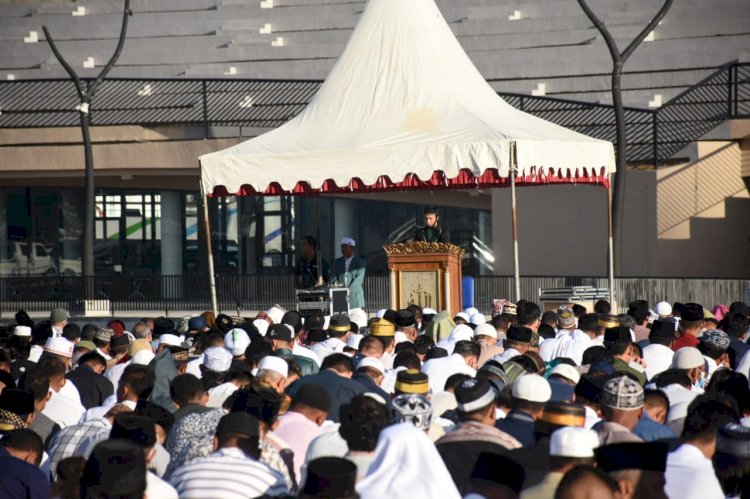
{"x":236,"y":341}
{"x":470,"y":311}
{"x":429,"y":311}
{"x":461,"y":332}
{"x":567,"y":371}
{"x":217,"y":359}
{"x":348,"y":241}
{"x":170,"y":339}
{"x":276,"y":313}
{"x":688,"y":358}
{"x":24,"y":331}
{"x":261,"y":325}
{"x":477,"y":318}
{"x":276,"y":364}
{"x":464,"y":316}
{"x":374,"y":396}
{"x":143,"y":357}
{"x":533,"y":388}
{"x":485,"y":330}
{"x":379,"y":314}
{"x":663,"y":309}
{"x":573,"y":441}
{"x":358,"y":316}
{"x":372,"y":362}
{"x":59,"y":346}
{"x":353,"y":341}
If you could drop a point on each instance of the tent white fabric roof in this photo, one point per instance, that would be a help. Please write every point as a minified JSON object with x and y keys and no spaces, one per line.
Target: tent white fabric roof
{"x":404,"y":100}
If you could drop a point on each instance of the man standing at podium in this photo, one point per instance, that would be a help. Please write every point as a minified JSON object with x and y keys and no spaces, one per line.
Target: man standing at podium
{"x":432,"y":232}
{"x":306,"y":271}
{"x":349,"y":270}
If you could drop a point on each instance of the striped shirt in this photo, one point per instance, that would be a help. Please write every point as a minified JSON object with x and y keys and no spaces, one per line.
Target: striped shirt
{"x":227,"y":474}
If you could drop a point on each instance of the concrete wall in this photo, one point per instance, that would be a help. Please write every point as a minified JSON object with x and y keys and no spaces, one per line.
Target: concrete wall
{"x":562,"y":230}
{"x":691,"y":220}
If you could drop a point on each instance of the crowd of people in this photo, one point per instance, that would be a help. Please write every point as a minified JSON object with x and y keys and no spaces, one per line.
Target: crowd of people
{"x":411,"y":403}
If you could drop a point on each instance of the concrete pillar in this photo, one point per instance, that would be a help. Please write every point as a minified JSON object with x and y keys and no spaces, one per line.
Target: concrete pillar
{"x":3,"y":224}
{"x":5,"y":270}
{"x":171,"y":242}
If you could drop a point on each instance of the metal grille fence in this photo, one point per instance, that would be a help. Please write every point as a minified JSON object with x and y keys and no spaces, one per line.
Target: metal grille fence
{"x":653,"y":135}
{"x":256,"y":292}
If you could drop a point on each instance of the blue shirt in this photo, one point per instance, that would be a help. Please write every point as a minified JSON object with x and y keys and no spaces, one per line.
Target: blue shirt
{"x":519,"y":425}
{"x":649,"y":430}
{"x":21,"y":480}
{"x":341,"y":389}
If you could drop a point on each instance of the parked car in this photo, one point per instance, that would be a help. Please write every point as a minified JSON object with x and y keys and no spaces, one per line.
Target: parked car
{"x":26,"y":258}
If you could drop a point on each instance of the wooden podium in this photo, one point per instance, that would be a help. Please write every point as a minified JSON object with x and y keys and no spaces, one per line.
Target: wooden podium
{"x":425,"y":274}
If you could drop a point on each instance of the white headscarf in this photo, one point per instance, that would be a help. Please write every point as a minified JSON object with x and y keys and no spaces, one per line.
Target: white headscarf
{"x":461,"y":332}
{"x":406,"y":465}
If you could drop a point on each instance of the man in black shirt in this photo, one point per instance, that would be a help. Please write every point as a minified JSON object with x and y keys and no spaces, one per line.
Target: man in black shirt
{"x":306,"y":271}
{"x":432,"y":232}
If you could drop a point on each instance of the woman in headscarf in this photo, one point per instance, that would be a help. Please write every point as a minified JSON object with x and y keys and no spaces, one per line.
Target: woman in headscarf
{"x":406,"y":466}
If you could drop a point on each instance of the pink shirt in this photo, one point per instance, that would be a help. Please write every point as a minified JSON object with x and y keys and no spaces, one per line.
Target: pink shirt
{"x":297,"y":431}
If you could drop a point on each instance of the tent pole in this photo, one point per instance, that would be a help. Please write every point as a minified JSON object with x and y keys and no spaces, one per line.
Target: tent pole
{"x":514,"y":220}
{"x":318,"y":253}
{"x":211,"y":275}
{"x":610,"y":253}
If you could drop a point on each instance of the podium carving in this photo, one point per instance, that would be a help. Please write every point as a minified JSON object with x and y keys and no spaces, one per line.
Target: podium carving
{"x":425,"y":274}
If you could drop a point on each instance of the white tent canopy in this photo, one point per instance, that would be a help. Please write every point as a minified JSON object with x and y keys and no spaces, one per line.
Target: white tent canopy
{"x":404,"y":99}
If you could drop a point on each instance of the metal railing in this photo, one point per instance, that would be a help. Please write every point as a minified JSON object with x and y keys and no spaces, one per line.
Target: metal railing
{"x":170,"y":294}
{"x":653,"y":135}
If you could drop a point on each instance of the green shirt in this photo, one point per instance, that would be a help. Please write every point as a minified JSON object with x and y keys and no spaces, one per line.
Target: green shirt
{"x":308,"y":366}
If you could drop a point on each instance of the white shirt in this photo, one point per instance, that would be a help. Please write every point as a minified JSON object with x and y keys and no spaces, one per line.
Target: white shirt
{"x":347,"y":262}
{"x":711,"y":368}
{"x":389,"y":380}
{"x":568,"y":344}
{"x":690,"y":475}
{"x":581,"y":343}
{"x":658,"y":359}
{"x":158,"y":488}
{"x":218,"y":394}
{"x":400,"y":337}
{"x":439,"y":370}
{"x":678,"y":393}
{"x":114,"y":373}
{"x":62,"y":410}
{"x":35,"y":352}
{"x":591,"y":417}
{"x":194,"y":366}
{"x":328,"y":444}
{"x":327,"y":347}
{"x":106,"y":357}
{"x":547,"y":349}
{"x":387,"y":360}
{"x":70,"y":391}
{"x":506,"y":355}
